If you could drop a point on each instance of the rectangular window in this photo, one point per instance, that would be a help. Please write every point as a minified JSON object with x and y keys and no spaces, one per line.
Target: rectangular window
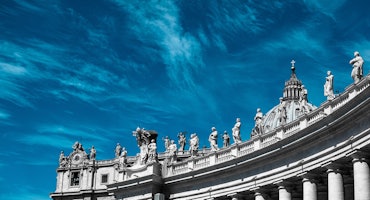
{"x":75,"y":178}
{"x":104,"y":178}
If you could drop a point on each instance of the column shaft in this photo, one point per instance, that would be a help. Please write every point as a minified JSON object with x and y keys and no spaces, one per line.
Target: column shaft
{"x":335,"y":185}
{"x":258,"y":196}
{"x":309,"y":190}
{"x":361,"y":178}
{"x":284,"y":194}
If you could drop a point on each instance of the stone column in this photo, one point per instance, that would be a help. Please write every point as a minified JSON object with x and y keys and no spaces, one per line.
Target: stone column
{"x":361,"y":176}
{"x":159,"y":196}
{"x":258,"y":194}
{"x":335,"y":182}
{"x":235,"y":196}
{"x":284,"y":190}
{"x":309,"y":187}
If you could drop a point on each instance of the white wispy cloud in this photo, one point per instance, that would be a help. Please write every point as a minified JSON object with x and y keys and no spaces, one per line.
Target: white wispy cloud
{"x":12,"y":69}
{"x":21,"y":191}
{"x":296,"y":40}
{"x":4,"y":115}
{"x":327,"y":7}
{"x":360,"y":44}
{"x":158,"y":23}
{"x":59,"y":136}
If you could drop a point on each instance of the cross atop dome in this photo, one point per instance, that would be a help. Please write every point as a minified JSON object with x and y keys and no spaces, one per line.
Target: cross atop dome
{"x":293,"y":69}
{"x":293,"y":62}
{"x":292,"y":87}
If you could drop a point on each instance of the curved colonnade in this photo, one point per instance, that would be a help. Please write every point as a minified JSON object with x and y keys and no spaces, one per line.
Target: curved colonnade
{"x":321,"y":155}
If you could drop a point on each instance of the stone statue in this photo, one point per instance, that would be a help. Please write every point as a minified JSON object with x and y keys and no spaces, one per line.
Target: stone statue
{"x":152,"y":152}
{"x":63,"y":161}
{"x":226,"y":139}
{"x":144,"y":150}
{"x":92,"y":153}
{"x":143,"y":138}
{"x":258,"y":127}
{"x":236,"y":131}
{"x":328,"y":87}
{"x":303,"y":101}
{"x":182,"y":141}
{"x":194,"y":144}
{"x":172,"y":151}
{"x":118,"y":150}
{"x":357,"y":70}
{"x":123,"y":157}
{"x":213,"y":139}
{"x":282,"y":112}
{"x":166,"y":143}
{"x":77,"y":147}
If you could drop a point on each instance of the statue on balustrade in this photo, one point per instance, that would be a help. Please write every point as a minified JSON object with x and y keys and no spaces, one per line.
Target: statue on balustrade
{"x":152,"y":152}
{"x":213,"y":139}
{"x":282,"y":112}
{"x":194,"y":144}
{"x":117,"y":150}
{"x":258,"y":126}
{"x":77,"y":147}
{"x":63,"y":160}
{"x":123,"y":157}
{"x":166,"y":143}
{"x":142,"y":138}
{"x":226,"y":139}
{"x":328,"y":87}
{"x":236,"y":131}
{"x":303,"y":106}
{"x":172,"y":151}
{"x":357,"y":64}
{"x":182,"y":141}
{"x":92,"y":153}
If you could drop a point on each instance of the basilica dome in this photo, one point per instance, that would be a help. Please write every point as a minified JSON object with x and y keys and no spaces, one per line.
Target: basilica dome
{"x":293,"y":104}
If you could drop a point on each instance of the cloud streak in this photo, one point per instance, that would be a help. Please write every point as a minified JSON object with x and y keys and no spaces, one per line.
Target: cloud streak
{"x":158,"y":23}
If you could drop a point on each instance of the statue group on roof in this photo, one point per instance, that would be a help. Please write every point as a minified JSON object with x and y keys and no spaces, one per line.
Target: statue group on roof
{"x":148,"y":146}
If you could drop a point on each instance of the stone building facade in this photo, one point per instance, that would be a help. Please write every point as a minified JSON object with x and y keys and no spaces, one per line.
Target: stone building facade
{"x":311,"y":153}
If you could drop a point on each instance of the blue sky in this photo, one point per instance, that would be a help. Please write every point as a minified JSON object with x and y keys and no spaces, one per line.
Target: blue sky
{"x":93,"y":72}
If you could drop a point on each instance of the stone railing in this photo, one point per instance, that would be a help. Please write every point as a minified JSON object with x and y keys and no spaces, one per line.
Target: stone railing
{"x":224,"y":155}
{"x":259,"y":142}
{"x":244,"y":148}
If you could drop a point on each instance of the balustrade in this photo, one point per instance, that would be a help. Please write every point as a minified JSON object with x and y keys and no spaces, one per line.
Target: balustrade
{"x":180,"y":168}
{"x":281,"y":133}
{"x":201,"y":162}
{"x":245,"y":148}
{"x":224,"y":155}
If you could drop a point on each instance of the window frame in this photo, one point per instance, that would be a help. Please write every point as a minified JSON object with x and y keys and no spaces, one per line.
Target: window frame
{"x":74,"y":180}
{"x":106,"y":177}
